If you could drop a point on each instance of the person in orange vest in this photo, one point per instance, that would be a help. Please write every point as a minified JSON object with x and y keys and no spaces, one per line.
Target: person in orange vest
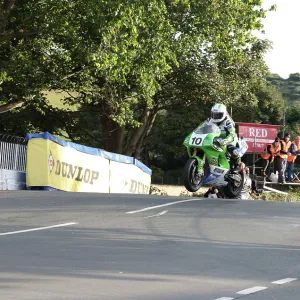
{"x":294,"y":152}
{"x":281,"y":160}
{"x":268,"y":156}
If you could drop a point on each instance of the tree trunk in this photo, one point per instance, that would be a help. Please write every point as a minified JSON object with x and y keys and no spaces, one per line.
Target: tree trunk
{"x":9,"y":106}
{"x":113,"y":134}
{"x":145,"y":155}
{"x":141,"y":143}
{"x":120,"y":134}
{"x":131,"y":148}
{"x":8,"y":4}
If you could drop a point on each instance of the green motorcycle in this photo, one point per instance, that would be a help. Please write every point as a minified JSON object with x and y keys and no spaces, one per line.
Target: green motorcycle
{"x":209,"y":163}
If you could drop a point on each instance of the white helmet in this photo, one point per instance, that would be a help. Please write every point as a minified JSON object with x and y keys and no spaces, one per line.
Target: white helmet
{"x":218,"y":113}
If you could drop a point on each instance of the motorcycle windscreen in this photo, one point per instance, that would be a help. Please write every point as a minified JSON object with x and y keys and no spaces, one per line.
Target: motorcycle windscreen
{"x":206,"y":128}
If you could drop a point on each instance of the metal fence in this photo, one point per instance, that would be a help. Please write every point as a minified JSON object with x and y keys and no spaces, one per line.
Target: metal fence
{"x":12,"y":153}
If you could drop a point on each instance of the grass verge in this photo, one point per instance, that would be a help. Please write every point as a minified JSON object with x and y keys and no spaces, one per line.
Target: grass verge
{"x":292,"y":196}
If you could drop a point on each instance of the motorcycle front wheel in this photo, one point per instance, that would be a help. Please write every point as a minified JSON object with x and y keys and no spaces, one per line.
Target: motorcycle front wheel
{"x":192,"y":179}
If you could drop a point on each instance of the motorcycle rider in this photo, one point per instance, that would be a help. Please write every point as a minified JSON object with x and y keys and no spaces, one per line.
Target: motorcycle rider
{"x":228,"y":137}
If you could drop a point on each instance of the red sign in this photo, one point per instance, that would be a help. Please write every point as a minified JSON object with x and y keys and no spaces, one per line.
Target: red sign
{"x":257,"y":136}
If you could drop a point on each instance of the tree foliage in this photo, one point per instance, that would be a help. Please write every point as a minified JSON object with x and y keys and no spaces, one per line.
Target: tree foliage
{"x":125,"y":61}
{"x":290,"y":87}
{"x":293,"y":120}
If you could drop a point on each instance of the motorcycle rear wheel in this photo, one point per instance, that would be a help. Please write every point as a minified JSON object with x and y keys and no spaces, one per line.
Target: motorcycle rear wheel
{"x":192,"y":180}
{"x":233,"y":190}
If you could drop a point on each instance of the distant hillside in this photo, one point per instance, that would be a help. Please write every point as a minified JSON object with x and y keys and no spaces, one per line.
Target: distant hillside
{"x":290,"y":87}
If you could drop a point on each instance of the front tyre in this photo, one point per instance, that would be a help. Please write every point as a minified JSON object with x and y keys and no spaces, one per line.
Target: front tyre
{"x":192,"y":179}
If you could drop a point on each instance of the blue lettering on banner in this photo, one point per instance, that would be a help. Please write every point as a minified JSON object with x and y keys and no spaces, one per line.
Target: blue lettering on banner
{"x":138,"y":187}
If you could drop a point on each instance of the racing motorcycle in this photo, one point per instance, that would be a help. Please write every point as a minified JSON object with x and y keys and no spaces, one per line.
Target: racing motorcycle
{"x":209,"y":163}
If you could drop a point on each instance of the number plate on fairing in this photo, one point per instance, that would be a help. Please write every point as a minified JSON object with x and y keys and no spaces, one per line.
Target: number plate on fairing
{"x":197,"y":139}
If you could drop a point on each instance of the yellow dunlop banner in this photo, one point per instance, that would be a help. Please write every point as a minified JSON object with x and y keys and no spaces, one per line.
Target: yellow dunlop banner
{"x":64,"y":168}
{"x":128,"y":178}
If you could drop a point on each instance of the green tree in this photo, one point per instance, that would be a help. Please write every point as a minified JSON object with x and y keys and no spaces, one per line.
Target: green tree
{"x":267,"y":108}
{"x":123,"y":58}
{"x":224,"y":64}
{"x":290,"y":87}
{"x":293,"y":120}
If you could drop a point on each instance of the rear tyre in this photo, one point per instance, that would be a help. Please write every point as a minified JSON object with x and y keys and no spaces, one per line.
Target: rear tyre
{"x":192,"y":180}
{"x":234,"y":188}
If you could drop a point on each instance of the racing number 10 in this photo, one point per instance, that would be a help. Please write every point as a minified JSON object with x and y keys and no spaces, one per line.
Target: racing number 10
{"x":196,"y":141}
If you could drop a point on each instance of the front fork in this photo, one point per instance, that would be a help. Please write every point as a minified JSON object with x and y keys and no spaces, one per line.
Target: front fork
{"x":201,"y":161}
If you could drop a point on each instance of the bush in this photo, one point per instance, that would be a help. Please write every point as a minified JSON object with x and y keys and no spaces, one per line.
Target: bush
{"x":186,"y":193}
{"x":156,"y":191}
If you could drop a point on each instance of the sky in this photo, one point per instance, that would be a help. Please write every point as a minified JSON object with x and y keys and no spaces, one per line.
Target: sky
{"x":282,"y":28}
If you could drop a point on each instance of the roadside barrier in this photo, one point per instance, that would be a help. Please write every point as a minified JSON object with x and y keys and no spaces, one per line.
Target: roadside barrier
{"x":53,"y":163}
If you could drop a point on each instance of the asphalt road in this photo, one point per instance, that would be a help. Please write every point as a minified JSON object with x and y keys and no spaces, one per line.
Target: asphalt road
{"x":87,"y":246}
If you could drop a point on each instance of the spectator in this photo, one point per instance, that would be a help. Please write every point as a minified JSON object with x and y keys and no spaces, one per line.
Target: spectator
{"x":268,"y":156}
{"x":294,"y":152}
{"x":281,"y":160}
{"x":212,"y":192}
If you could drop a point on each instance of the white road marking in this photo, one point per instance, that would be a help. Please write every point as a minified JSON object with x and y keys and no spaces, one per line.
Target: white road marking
{"x":252,"y":290}
{"x":259,"y":288}
{"x":157,"y":215}
{"x":162,"y":205}
{"x":39,"y":228}
{"x":283,"y":281}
